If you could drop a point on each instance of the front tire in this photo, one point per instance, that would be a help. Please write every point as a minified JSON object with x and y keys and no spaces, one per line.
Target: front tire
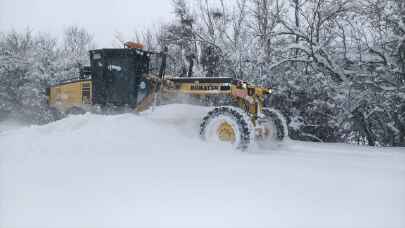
{"x":273,"y":129}
{"x":229,"y":125}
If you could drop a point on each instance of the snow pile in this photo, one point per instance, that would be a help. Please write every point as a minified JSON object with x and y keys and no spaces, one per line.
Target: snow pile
{"x":153,"y":171}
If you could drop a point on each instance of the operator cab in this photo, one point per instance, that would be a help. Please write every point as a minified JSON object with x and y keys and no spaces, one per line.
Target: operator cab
{"x":118,"y":75}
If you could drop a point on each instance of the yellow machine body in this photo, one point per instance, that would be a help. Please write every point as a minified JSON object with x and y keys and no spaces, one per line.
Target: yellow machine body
{"x":245,"y":96}
{"x":124,"y":79}
{"x":78,"y":94}
{"x":67,"y":95}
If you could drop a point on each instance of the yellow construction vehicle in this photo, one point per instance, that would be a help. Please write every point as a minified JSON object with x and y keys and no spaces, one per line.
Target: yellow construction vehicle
{"x":125,"y":78}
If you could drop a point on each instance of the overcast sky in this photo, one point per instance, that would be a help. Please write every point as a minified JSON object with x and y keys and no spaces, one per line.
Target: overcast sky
{"x":102,"y":18}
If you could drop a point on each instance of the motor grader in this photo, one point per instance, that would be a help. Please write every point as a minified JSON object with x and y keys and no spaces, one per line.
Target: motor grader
{"x":126,"y":78}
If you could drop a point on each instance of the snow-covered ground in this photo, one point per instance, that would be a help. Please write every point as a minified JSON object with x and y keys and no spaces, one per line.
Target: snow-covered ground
{"x":9,"y":124}
{"x":96,"y":171}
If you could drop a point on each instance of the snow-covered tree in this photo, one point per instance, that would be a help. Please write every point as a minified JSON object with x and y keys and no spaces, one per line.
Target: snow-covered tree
{"x":29,"y":63}
{"x":74,"y":53}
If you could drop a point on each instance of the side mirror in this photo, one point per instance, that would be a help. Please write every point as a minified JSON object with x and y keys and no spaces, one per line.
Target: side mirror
{"x":162,"y":70}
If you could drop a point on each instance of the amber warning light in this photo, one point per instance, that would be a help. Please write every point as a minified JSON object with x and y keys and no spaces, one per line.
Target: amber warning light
{"x":131,"y":44}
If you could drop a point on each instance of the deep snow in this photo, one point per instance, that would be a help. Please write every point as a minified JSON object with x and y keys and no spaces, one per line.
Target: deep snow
{"x":152,"y":170}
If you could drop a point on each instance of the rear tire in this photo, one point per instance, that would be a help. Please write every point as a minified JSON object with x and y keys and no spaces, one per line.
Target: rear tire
{"x":55,"y":114}
{"x":228,"y":124}
{"x":75,"y":111}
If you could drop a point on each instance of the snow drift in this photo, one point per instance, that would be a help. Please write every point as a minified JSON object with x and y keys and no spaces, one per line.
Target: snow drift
{"x":152,"y":170}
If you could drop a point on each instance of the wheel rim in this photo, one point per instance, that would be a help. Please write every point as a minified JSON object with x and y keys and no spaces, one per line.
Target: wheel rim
{"x":223,"y":129}
{"x":226,"y":133}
